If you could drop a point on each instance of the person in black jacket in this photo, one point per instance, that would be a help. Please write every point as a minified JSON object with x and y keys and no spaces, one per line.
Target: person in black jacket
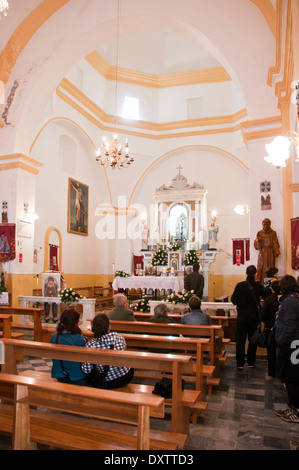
{"x":268,"y":316}
{"x":287,"y":339}
{"x":195,"y":281}
{"x":246,"y":297}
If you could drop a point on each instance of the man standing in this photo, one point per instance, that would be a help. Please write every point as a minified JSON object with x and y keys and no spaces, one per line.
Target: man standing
{"x":246,"y":297}
{"x":267,"y":244}
{"x":195,"y":281}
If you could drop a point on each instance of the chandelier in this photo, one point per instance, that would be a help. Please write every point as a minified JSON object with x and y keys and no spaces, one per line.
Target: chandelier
{"x":114,"y":156}
{"x":4,"y":6}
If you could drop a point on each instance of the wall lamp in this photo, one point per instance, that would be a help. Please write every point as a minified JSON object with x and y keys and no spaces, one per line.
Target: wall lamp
{"x":279,"y":149}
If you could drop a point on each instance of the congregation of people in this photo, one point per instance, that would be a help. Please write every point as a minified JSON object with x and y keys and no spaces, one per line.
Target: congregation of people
{"x":261,"y":297}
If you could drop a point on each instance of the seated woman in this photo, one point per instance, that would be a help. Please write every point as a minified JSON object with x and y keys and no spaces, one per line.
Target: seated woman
{"x":160,"y":314}
{"x":68,"y":333}
{"x":117,"y":377}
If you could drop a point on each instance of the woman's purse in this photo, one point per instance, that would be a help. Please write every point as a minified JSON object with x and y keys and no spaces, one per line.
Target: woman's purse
{"x":259,"y":337}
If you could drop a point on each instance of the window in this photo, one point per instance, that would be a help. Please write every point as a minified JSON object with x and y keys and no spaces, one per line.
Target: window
{"x":131,"y":108}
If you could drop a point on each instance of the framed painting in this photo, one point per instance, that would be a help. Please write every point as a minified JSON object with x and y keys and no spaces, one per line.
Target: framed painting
{"x":78,"y":196}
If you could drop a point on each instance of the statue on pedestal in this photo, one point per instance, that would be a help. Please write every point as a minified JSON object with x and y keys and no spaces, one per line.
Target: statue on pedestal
{"x":267,"y":244}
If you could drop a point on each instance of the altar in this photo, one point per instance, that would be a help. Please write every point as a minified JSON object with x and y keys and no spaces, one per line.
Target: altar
{"x":146,"y":282}
{"x":87,"y":304}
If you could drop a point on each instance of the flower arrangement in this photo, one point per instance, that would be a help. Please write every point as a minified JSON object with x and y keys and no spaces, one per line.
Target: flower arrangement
{"x":69,"y":295}
{"x":175,"y":246}
{"x":142,"y":305}
{"x":180,"y":297}
{"x":160,"y":258}
{"x":121,"y":273}
{"x":191,"y":258}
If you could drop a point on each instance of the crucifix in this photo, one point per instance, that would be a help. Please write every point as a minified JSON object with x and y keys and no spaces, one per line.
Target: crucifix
{"x":179,"y":168}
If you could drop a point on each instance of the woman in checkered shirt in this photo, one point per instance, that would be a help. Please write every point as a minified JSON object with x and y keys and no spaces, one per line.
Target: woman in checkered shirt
{"x":117,"y":377}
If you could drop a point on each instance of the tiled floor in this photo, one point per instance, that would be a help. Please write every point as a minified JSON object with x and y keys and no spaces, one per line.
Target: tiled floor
{"x":240,"y":413}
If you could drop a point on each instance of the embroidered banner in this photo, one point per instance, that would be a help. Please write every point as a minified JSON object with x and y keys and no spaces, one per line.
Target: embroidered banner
{"x":7,"y":242}
{"x":241,"y":250}
{"x":295,"y":243}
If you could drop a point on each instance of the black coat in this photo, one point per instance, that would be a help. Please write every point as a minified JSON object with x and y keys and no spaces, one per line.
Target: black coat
{"x":269,"y":310}
{"x":243,"y":297}
{"x":195,"y":281}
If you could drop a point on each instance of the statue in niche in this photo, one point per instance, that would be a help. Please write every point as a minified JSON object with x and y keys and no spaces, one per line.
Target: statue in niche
{"x":213,"y":232}
{"x":144,"y":230}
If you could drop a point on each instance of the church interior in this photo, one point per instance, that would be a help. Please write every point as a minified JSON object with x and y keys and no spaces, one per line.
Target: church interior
{"x":130,"y":129}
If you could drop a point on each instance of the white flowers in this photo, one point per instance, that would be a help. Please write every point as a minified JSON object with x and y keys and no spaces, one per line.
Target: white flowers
{"x":121,"y":273}
{"x":69,"y":295}
{"x":182,"y":297}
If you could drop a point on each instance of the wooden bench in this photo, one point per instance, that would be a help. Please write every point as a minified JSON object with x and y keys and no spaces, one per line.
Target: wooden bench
{"x":36,"y":313}
{"x":173,"y":364}
{"x":216,"y":353}
{"x":6,"y":330}
{"x":29,"y":425}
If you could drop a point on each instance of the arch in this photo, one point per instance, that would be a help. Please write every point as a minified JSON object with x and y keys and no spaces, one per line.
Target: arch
{"x":62,"y":118}
{"x":180,"y":148}
{"x":46,"y":244}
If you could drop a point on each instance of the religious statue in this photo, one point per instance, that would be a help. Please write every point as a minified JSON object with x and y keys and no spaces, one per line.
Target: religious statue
{"x":144,"y":236}
{"x":267,"y":244}
{"x":213,"y":231}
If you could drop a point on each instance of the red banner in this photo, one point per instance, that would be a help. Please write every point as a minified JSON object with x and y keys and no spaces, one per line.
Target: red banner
{"x":295,"y":243}
{"x":7,"y":242}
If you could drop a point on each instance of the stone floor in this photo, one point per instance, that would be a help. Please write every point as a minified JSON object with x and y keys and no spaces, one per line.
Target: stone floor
{"x":240,"y":414}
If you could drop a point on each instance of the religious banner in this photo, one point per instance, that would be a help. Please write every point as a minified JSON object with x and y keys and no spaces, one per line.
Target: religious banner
{"x":7,"y":242}
{"x":295,"y":243}
{"x":241,"y":250}
{"x":138,"y":264}
{"x":238,"y":251}
{"x":53,"y":257}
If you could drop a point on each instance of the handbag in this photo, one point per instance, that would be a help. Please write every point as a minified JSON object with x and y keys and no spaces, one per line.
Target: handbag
{"x":164,"y":387}
{"x":259,"y":337}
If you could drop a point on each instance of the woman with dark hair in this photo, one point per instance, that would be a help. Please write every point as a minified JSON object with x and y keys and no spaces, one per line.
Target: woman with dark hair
{"x":268,"y":316}
{"x":287,"y":338}
{"x":68,"y":333}
{"x":117,"y":377}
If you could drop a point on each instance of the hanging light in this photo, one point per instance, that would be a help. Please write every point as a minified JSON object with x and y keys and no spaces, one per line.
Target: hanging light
{"x":4,"y":6}
{"x":114,"y":156}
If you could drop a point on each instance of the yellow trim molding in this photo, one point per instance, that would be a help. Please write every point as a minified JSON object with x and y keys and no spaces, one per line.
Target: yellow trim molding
{"x":19,"y":160}
{"x":89,"y":110}
{"x":211,"y":75}
{"x":24,"y":33}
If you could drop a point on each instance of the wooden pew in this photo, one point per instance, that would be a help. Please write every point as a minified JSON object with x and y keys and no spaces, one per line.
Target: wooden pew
{"x":6,"y":330}
{"x":103,"y":296}
{"x":216,"y":351}
{"x":36,"y":313}
{"x":5,"y":325}
{"x":30,"y":426}
{"x":173,"y":364}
